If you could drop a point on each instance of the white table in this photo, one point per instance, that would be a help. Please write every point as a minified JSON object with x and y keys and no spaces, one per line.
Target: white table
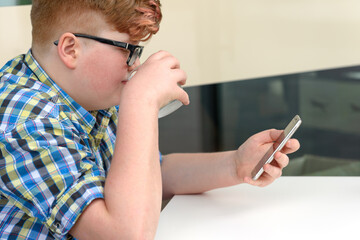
{"x":290,"y":208}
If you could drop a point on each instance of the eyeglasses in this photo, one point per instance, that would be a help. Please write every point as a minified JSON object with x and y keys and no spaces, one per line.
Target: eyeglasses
{"x":135,"y":50}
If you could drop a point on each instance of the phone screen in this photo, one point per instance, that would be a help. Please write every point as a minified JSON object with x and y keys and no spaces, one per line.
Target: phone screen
{"x":277,"y":146}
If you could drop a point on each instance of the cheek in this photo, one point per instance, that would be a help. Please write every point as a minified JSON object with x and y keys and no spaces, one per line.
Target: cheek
{"x":105,"y":74}
{"x":105,"y":85}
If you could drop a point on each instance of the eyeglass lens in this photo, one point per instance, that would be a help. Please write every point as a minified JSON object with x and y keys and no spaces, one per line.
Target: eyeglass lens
{"x":136,"y":54}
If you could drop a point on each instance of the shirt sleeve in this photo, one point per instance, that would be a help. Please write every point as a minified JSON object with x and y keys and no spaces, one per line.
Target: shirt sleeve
{"x":48,"y":171}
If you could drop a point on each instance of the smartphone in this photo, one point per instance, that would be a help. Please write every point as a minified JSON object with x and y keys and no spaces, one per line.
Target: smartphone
{"x":280,"y":142}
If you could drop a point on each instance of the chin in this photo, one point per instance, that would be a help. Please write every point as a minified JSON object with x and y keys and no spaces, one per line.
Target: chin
{"x":102,"y":106}
{"x":104,"y":101}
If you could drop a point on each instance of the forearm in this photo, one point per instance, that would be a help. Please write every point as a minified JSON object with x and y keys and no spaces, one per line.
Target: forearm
{"x":197,"y":172}
{"x":133,"y":186}
{"x":132,"y":195}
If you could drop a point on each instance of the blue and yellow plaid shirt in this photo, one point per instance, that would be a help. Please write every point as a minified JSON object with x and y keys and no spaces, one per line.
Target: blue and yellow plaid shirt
{"x":54,"y":155}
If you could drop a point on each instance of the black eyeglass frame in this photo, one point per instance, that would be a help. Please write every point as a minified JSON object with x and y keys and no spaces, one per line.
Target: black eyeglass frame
{"x":135,"y":50}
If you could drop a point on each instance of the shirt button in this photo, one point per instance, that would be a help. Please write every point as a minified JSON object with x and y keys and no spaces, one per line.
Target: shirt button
{"x":58,"y":227}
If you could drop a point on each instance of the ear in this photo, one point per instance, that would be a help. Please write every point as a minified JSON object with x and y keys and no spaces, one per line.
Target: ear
{"x":68,"y":50}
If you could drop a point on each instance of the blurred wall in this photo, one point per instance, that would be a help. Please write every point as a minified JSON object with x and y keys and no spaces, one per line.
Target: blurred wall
{"x":15,"y":32}
{"x":236,"y":39}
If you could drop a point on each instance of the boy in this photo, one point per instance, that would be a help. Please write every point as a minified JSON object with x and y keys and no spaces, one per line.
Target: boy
{"x":63,"y":103}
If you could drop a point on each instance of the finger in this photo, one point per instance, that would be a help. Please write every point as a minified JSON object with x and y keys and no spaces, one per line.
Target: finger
{"x":184,"y":97}
{"x":180,"y":75}
{"x":291,"y":146}
{"x":160,"y":54}
{"x":263,"y":181}
{"x":273,"y":171}
{"x":172,"y":61}
{"x":275,"y":134}
{"x":249,"y":180}
{"x":166,"y":58}
{"x":268,"y":136}
{"x":281,"y":160}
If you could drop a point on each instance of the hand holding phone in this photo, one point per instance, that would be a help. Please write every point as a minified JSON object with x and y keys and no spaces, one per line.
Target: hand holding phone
{"x":280,"y":142}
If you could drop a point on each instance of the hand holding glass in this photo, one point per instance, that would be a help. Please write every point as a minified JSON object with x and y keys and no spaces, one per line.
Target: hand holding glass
{"x":167,"y":109}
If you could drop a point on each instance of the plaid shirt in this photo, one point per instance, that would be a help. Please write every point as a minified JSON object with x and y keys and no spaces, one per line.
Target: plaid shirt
{"x":54,"y":155}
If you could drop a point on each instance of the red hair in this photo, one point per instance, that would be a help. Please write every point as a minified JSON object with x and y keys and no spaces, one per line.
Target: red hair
{"x":50,"y":18}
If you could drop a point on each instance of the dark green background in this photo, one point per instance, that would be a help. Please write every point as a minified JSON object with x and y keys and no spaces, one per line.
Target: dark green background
{"x":14,"y":2}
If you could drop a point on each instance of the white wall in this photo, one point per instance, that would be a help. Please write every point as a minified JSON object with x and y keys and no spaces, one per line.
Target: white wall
{"x":15,"y":32}
{"x":236,"y":39}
